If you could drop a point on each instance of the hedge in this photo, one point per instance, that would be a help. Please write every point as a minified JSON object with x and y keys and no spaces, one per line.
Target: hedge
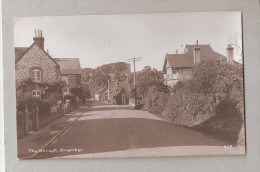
{"x":195,"y":101}
{"x":157,"y":98}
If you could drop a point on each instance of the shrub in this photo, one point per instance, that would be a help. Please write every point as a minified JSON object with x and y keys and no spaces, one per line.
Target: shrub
{"x":212,"y":82}
{"x":72,"y":98}
{"x":77,"y":92}
{"x":32,"y":103}
{"x":44,"y":108}
{"x":50,"y":92}
{"x":157,"y":98}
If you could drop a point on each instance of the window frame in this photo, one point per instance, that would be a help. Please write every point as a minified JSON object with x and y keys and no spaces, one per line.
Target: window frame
{"x":174,"y":71}
{"x":36,"y":75}
{"x":37,"y":96}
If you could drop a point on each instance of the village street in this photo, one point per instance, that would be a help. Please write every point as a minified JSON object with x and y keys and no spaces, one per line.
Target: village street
{"x":109,"y":128}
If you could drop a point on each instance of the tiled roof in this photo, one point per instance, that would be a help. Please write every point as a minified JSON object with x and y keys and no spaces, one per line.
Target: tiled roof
{"x":180,"y":60}
{"x":206,"y":52}
{"x":69,"y":65}
{"x":19,"y":52}
{"x":186,"y":59}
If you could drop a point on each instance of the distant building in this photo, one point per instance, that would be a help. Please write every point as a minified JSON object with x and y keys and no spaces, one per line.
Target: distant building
{"x":35,"y":63}
{"x":118,"y":91}
{"x":179,"y":67}
{"x":70,"y":71}
{"x":96,"y":97}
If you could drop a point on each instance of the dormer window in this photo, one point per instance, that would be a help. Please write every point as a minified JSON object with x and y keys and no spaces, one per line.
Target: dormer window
{"x":174,"y":71}
{"x":36,"y":75}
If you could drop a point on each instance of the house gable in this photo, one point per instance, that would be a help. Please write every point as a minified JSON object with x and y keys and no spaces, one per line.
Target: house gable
{"x":70,"y":71}
{"x":184,"y":63}
{"x":35,"y":57}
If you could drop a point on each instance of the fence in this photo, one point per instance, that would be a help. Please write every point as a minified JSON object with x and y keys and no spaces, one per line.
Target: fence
{"x":32,"y":120}
{"x":27,"y":121}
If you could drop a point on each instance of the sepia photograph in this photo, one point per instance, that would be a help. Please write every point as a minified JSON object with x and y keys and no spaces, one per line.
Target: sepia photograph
{"x":129,"y":85}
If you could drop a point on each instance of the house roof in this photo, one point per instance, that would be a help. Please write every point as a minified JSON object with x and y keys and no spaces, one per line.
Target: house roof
{"x":180,"y":60}
{"x":187,"y":60}
{"x":69,"y":65}
{"x":206,"y":52}
{"x":19,"y":52}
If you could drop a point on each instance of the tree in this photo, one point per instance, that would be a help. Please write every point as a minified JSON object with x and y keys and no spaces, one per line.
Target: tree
{"x":145,"y":79}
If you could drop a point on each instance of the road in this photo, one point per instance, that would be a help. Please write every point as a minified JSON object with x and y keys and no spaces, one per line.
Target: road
{"x":107,"y":128}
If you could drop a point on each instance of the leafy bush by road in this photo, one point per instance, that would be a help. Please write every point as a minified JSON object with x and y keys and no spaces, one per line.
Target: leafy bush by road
{"x":195,"y":101}
{"x":157,"y":98}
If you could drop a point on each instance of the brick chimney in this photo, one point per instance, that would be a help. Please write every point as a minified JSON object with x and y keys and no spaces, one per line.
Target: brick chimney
{"x":196,"y":53}
{"x":230,"y":54}
{"x":38,"y":39}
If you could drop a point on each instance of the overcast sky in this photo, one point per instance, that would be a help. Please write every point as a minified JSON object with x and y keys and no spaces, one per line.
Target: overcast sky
{"x":103,"y":39}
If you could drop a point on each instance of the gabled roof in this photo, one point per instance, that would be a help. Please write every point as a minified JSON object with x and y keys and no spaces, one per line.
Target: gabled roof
{"x":19,"y":52}
{"x":69,"y":65}
{"x":180,"y":60}
{"x":206,"y":52}
{"x":187,"y":58}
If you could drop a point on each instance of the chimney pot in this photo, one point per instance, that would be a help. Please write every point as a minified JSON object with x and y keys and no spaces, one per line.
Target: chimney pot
{"x":176,"y":51}
{"x":197,"y":42}
{"x":38,"y":39}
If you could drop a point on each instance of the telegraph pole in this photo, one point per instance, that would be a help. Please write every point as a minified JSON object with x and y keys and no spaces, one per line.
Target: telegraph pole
{"x":134,"y":60}
{"x":108,"y":94}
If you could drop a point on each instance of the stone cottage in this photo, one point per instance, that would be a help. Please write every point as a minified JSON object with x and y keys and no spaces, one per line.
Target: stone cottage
{"x":179,"y":67}
{"x":35,"y":63}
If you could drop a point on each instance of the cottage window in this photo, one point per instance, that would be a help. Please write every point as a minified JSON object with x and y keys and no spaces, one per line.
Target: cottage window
{"x":36,"y":75}
{"x":36,"y":94}
{"x":174,"y":72}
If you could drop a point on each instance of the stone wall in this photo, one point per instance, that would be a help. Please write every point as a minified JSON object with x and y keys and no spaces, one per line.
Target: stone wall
{"x":36,"y":58}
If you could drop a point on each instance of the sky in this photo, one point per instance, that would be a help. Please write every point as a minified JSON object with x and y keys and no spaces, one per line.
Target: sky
{"x":103,"y":39}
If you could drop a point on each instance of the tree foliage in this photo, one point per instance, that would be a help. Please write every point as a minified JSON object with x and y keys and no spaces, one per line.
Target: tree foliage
{"x":146,"y":79}
{"x":50,"y":91}
{"x":157,"y":98}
